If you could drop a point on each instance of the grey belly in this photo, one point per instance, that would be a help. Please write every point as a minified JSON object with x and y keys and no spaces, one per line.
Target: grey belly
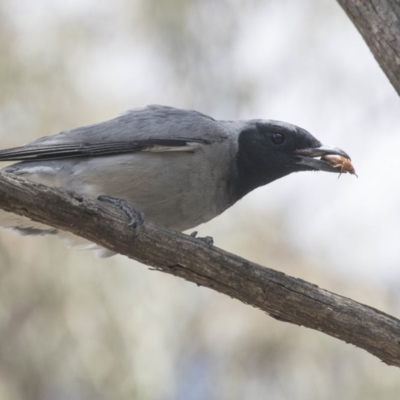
{"x":175,"y":190}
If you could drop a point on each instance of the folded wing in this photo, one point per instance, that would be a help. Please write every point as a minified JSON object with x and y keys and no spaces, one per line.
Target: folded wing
{"x":153,"y":128}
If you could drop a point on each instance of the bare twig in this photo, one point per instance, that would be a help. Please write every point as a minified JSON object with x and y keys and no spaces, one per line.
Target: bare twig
{"x":281,"y":296}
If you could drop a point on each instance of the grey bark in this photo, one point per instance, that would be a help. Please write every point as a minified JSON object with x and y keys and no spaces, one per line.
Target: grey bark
{"x":280,"y":296}
{"x":378,"y":21}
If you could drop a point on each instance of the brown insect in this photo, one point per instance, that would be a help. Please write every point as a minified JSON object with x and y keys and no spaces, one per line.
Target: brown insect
{"x":339,"y":162}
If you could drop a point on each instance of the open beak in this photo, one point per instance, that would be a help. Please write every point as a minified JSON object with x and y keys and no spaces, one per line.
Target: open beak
{"x":309,"y":157}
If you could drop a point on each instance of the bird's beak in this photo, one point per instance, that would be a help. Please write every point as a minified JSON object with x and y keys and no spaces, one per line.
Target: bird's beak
{"x":308,"y":157}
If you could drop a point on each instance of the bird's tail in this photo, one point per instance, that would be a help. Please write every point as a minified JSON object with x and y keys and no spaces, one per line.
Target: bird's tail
{"x":25,"y":226}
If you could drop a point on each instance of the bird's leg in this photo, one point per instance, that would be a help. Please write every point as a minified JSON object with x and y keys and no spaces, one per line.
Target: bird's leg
{"x":136,"y":218}
{"x":208,"y":240}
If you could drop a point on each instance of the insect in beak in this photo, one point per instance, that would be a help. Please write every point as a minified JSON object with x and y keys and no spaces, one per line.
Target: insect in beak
{"x":341,"y":163}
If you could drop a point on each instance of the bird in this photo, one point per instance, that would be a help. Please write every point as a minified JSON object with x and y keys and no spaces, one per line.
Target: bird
{"x":178,"y":167}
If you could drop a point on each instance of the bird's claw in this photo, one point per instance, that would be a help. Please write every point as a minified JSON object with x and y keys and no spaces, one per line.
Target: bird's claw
{"x":208,"y":240}
{"x":136,"y":218}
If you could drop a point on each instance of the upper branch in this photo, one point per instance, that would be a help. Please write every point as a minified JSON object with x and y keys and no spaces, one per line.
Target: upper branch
{"x":378,"y":21}
{"x":281,"y":296}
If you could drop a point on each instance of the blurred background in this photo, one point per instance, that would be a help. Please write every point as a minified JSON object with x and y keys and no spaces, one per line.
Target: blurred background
{"x":76,"y":327}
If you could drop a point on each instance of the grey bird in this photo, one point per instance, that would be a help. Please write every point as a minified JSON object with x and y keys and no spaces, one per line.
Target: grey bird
{"x":180,"y":168}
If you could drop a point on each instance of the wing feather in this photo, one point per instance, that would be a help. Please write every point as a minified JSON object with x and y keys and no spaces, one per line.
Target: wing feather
{"x":152,"y":128}
{"x":37,"y":153}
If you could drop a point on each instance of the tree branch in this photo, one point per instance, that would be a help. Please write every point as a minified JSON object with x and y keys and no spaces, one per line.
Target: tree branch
{"x":378,"y":21}
{"x":282,"y":297}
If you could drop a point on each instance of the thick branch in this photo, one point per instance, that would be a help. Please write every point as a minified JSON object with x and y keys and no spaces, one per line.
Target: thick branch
{"x":281,"y":296}
{"x":378,"y":21}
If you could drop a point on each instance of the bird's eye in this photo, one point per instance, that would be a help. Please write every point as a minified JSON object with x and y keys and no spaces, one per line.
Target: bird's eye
{"x":278,"y":138}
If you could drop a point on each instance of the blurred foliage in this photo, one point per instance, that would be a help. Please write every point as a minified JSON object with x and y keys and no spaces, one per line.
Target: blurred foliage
{"x":75,"y":327}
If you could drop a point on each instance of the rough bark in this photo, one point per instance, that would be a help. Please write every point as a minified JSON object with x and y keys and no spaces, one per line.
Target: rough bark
{"x":282,"y":297}
{"x":378,"y":21}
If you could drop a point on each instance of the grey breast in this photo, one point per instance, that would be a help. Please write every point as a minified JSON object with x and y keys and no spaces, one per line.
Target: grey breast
{"x":175,"y":186}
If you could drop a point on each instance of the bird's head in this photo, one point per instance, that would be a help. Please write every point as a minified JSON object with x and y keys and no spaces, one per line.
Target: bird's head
{"x":269,"y":150}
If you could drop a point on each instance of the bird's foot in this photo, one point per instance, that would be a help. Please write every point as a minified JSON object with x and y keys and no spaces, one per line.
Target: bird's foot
{"x":136,"y":218}
{"x":208,"y":240}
